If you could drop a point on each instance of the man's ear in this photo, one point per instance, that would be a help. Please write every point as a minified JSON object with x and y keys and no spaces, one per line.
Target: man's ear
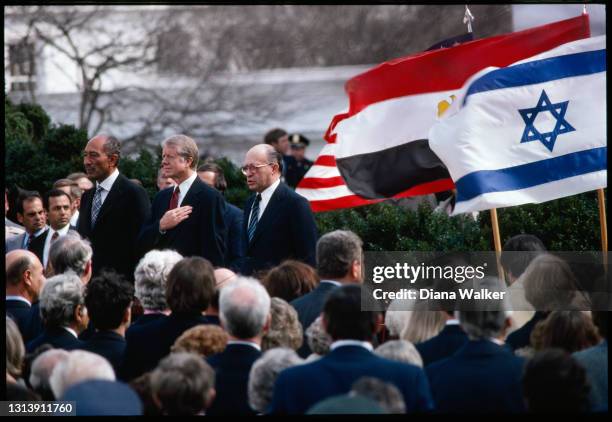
{"x":127,"y":315}
{"x":356,"y":270}
{"x":212,"y":393}
{"x":379,"y":323}
{"x":267,"y":324}
{"x":20,"y":218}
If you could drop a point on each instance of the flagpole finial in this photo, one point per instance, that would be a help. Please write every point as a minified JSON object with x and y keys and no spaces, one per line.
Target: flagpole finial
{"x":468,"y":18}
{"x":584,"y":9}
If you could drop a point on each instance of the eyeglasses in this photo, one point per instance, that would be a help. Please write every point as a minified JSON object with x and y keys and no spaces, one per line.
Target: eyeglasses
{"x":251,"y":168}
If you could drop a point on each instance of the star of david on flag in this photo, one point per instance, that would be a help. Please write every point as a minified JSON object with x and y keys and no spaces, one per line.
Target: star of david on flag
{"x":529,"y":115}
{"x":488,"y":143}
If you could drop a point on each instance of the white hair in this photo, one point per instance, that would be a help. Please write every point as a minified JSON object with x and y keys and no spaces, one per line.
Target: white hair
{"x":264,"y":372}
{"x":150,"y":278}
{"x":79,"y":366}
{"x":43,"y":366}
{"x":401,"y":351}
{"x":59,"y":298}
{"x":244,"y":306}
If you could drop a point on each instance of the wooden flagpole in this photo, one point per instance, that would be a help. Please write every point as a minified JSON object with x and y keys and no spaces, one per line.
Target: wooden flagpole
{"x":601,"y":199}
{"x":497,"y":243}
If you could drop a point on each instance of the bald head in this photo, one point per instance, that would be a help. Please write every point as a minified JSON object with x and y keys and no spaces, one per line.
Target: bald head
{"x":24,"y":274}
{"x":263,"y":167}
{"x":223,"y":276}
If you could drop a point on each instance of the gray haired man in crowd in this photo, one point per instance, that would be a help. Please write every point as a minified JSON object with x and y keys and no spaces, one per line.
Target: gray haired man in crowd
{"x":244,"y":307}
{"x":71,"y":253}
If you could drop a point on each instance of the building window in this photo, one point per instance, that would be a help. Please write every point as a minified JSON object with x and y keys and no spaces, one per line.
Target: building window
{"x":22,"y":66}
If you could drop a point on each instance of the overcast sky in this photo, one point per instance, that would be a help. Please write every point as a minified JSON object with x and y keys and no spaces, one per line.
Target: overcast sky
{"x":529,"y":15}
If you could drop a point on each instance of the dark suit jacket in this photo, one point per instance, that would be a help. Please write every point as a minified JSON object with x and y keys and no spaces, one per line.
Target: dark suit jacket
{"x":109,"y":345}
{"x":300,"y":387}
{"x":148,"y":343}
{"x":235,"y":243}
{"x":481,"y":377}
{"x":446,"y":343}
{"x":201,"y":234}
{"x":59,"y":338}
{"x":20,"y":312}
{"x":37,"y":244}
{"x":113,"y":238}
{"x":521,"y":337}
{"x":308,"y":308}
{"x":232,"y":367}
{"x":286,"y":230}
{"x":145,"y":319}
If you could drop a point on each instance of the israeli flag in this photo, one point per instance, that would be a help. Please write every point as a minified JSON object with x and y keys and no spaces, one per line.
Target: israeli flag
{"x":530,"y":132}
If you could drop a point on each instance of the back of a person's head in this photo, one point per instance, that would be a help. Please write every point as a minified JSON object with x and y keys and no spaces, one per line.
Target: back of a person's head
{"x":600,"y":319}
{"x":549,"y":283}
{"x":264,"y":372}
{"x":344,"y":318}
{"x":317,"y":338}
{"x":424,"y":324}
{"x":290,"y":280}
{"x":273,"y":135}
{"x":142,"y":387}
{"x":554,"y":382}
{"x":205,"y":340}
{"x":244,"y":307}
{"x":401,"y":351}
{"x":151,"y":276}
{"x":79,"y":366}
{"x":70,"y":253}
{"x":519,"y":251}
{"x":285,"y":329}
{"x":59,"y":299}
{"x":183,"y":384}
{"x":571,"y":331}
{"x":190,"y":285}
{"x":385,"y":394}
{"x":15,"y":349}
{"x":108,"y":298}
{"x":336,"y":252}
{"x":42,"y":368}
{"x":481,"y":318}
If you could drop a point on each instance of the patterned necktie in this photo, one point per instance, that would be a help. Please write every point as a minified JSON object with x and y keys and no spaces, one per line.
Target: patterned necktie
{"x":54,"y":237}
{"x":174,"y":199}
{"x":254,"y":217}
{"x":96,"y":205}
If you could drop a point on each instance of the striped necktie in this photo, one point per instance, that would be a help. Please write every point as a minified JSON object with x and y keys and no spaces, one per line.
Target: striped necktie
{"x":254,"y":217}
{"x":96,"y":205}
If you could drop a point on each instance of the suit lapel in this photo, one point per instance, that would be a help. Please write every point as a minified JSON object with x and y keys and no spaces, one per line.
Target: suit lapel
{"x":190,"y":199}
{"x":267,"y":217}
{"x":85,"y":212}
{"x":113,"y":197}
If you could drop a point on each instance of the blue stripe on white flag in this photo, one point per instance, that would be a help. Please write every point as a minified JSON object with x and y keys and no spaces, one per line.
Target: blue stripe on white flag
{"x":531,"y":174}
{"x":539,"y":71}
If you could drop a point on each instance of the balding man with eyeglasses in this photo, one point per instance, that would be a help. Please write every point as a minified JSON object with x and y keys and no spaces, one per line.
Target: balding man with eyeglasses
{"x":278,"y":223}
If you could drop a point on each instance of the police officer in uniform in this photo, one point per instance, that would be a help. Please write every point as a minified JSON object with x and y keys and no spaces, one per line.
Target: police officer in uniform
{"x":297,"y":168}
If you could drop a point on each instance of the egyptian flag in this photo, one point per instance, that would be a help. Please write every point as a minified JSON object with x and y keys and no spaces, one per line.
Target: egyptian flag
{"x":378,"y":149}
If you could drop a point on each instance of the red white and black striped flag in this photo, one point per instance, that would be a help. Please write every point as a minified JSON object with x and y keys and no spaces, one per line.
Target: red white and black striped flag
{"x":378,"y":149}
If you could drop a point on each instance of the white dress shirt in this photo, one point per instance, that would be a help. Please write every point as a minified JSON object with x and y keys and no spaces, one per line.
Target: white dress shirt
{"x":334,"y":282}
{"x":19,"y":298}
{"x":339,"y":343}
{"x":61,"y":232}
{"x":74,"y":219}
{"x":107,"y":184}
{"x":246,"y":343}
{"x":266,"y":194}
{"x":185,"y":186}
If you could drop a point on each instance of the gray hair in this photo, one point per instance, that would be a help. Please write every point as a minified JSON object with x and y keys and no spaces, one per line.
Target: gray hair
{"x":59,"y":298}
{"x":43,"y":366}
{"x":150,"y":278}
{"x":183,"y":383}
{"x":264,"y":372}
{"x":185,"y":146}
{"x":387,"y":395}
{"x":285,"y":328}
{"x":15,"y":349}
{"x":397,"y":317}
{"x":401,"y":351}
{"x":318,"y":339}
{"x":70,"y":253}
{"x":79,"y":366}
{"x":483,"y":318}
{"x":336,"y":251}
{"x":112,"y":146}
{"x":244,"y":306}
{"x":549,"y":283}
{"x":273,"y":156}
